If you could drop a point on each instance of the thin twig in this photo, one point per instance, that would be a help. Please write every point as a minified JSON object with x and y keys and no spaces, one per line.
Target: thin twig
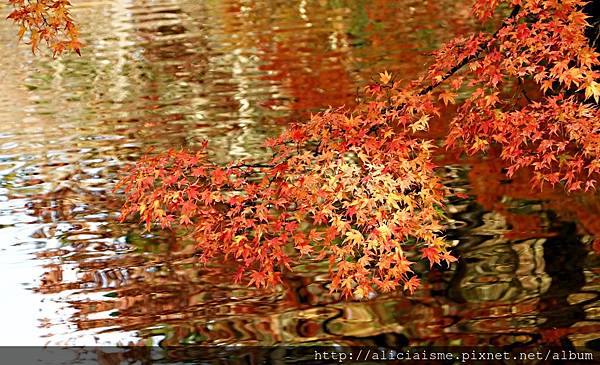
{"x":470,"y":58}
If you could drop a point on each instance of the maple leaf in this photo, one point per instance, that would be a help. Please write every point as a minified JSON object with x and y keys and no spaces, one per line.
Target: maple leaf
{"x":448,"y":258}
{"x":385,"y":77}
{"x":184,"y":220}
{"x":305,"y":249}
{"x":258,"y":278}
{"x":352,"y":211}
{"x":361,"y":292}
{"x":593,"y":90}
{"x":219,"y":176}
{"x":354,"y":237}
{"x":431,"y":254}
{"x":411,"y":284}
{"x":421,"y":124}
{"x":447,"y":97}
{"x":403,"y":265}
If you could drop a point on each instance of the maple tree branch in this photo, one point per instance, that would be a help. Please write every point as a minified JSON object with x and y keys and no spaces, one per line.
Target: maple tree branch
{"x":470,"y":58}
{"x":252,"y":165}
{"x":258,"y":165}
{"x":456,"y":67}
{"x":594,"y":42}
{"x":525,"y":95}
{"x":523,"y":91}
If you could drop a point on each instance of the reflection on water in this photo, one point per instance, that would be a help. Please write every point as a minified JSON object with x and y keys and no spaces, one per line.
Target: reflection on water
{"x":170,"y":73}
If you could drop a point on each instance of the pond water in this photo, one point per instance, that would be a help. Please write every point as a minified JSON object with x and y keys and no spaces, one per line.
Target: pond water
{"x":169,"y":73}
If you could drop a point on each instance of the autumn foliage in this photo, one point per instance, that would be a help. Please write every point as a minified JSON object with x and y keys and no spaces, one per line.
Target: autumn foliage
{"x":367,"y":200}
{"x":358,"y":186}
{"x":554,"y":131}
{"x":46,"y":22}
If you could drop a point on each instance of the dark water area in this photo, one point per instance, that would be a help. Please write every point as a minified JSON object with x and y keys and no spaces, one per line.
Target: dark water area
{"x":169,"y":74}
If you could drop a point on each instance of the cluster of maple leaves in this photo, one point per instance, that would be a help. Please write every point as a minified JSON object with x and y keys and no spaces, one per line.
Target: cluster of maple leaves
{"x":349,"y":186}
{"x":46,"y":21}
{"x":542,"y":52}
{"x":358,"y":186}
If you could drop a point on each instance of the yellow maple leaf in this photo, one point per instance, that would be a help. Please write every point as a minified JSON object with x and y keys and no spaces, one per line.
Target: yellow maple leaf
{"x":354,"y":236}
{"x":421,"y":124}
{"x":447,"y":97}
{"x":593,"y":89}
{"x":385,"y":77}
